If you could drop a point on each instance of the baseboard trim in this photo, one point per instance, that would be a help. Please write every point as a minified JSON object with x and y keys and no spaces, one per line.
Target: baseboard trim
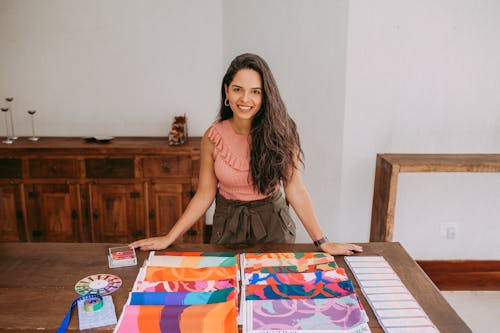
{"x":463,"y":274}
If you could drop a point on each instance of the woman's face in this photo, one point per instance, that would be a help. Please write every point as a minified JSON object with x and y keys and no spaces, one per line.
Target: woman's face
{"x":245,"y":94}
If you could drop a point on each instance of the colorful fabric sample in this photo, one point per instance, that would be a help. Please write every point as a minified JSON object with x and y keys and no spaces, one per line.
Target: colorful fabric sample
{"x":308,"y":314}
{"x":286,"y":255}
{"x":155,"y":273}
{"x":195,"y":254}
{"x":206,"y":285}
{"x":182,"y":297}
{"x":207,"y":318}
{"x":191,"y":261}
{"x":299,"y":291}
{"x":267,"y":262}
{"x":335,"y":275}
{"x":292,"y":269}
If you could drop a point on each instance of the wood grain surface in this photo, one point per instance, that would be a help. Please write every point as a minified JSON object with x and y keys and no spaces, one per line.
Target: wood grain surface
{"x":38,"y":279}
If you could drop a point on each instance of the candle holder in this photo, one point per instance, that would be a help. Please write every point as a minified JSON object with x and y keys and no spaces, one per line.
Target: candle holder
{"x":33,"y":137}
{"x":12,"y":134}
{"x":7,"y":140}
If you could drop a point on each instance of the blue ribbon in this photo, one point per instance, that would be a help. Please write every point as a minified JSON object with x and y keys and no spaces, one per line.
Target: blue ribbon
{"x":64,"y":324}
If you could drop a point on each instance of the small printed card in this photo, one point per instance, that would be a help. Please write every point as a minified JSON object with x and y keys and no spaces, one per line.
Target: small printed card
{"x":102,"y":317}
{"x":121,"y":256}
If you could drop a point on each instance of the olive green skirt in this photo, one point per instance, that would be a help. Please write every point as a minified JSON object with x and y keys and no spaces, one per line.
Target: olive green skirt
{"x":252,"y":222}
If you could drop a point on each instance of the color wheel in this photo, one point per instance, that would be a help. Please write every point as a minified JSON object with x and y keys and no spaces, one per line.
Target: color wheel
{"x":101,"y":284}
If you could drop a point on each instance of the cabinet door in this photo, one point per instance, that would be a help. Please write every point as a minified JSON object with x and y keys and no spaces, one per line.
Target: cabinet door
{"x":53,"y":212}
{"x":167,"y":203}
{"x":117,"y":212}
{"x":11,"y":216}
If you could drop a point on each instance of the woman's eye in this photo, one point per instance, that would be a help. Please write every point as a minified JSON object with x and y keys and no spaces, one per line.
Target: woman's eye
{"x":256,"y":92}
{"x":236,"y":89}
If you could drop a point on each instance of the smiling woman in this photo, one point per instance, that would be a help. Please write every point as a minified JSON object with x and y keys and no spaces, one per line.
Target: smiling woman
{"x":246,"y":156}
{"x":244,"y":97}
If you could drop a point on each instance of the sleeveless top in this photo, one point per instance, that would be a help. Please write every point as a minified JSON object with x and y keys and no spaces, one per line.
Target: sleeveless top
{"x":232,"y":163}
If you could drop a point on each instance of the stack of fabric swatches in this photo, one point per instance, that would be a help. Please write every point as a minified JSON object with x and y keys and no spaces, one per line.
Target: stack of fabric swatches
{"x":182,"y":293}
{"x":298,"y":292}
{"x":394,"y":306}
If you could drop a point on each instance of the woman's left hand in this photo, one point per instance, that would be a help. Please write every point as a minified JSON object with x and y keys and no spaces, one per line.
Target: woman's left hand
{"x":344,"y":249}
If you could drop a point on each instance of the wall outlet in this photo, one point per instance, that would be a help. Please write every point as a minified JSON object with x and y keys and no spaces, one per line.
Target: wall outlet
{"x":448,"y":230}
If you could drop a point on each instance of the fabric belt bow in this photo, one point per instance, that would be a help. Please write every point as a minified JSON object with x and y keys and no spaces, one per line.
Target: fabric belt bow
{"x":245,"y":222}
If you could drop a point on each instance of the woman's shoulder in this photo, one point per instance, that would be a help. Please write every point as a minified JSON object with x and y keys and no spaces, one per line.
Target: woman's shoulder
{"x":227,"y":145}
{"x":213,"y":135}
{"x":217,"y":131}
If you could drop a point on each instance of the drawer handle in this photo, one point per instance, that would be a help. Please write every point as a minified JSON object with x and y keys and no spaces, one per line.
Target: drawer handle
{"x":166,"y":168}
{"x":135,"y":194}
{"x":95,"y":214}
{"x":53,"y":169}
{"x":152,"y":214}
{"x":192,"y":232}
{"x":74,"y":214}
{"x":36,"y":233}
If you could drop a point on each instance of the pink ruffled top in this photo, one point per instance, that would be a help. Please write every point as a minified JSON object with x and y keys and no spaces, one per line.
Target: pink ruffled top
{"x":232,"y":163}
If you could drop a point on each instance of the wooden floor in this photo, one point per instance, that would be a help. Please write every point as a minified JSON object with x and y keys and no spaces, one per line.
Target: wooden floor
{"x":479,"y":309}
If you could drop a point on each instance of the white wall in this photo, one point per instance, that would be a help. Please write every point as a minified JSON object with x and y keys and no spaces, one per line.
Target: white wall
{"x":359,"y":77}
{"x":424,"y":76}
{"x":304,"y":45}
{"x":116,"y":67}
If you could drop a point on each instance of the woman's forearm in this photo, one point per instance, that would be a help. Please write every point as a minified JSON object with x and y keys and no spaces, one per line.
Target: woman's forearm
{"x":301,"y":203}
{"x":196,"y":208}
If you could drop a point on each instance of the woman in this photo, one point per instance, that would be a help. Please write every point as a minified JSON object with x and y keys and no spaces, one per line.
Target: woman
{"x":245,"y":157}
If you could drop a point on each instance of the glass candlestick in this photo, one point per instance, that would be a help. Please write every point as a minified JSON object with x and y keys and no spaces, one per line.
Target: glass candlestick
{"x":7,"y":140}
{"x":33,"y":137}
{"x":12,"y":134}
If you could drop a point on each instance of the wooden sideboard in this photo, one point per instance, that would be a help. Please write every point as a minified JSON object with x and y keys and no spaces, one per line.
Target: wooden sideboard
{"x":65,"y":189}
{"x":386,"y":181}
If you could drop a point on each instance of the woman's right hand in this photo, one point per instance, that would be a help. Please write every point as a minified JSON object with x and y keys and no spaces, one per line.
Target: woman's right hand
{"x":153,"y":243}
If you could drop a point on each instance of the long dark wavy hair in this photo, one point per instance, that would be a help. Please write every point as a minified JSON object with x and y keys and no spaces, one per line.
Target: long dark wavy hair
{"x":275,"y":148}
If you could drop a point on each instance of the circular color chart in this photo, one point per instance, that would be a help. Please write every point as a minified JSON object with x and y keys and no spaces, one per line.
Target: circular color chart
{"x":101,"y":284}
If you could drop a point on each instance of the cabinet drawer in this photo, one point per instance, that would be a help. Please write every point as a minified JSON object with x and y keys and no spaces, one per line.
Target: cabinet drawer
{"x":167,"y":166}
{"x":109,"y":167}
{"x":53,"y":168}
{"x":11,"y":168}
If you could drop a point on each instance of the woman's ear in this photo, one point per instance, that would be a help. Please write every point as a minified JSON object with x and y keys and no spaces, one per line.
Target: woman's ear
{"x":225,"y":89}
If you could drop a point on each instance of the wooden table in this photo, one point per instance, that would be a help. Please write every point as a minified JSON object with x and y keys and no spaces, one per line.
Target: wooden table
{"x":38,"y":279}
{"x":386,"y":181}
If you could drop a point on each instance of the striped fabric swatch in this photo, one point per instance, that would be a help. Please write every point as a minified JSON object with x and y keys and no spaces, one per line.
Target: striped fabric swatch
{"x":308,"y":314}
{"x":205,"y":285}
{"x":195,"y":254}
{"x":207,"y":318}
{"x":295,"y":291}
{"x":191,"y":261}
{"x":334,"y":275}
{"x":182,"y":297}
{"x":157,"y":273}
